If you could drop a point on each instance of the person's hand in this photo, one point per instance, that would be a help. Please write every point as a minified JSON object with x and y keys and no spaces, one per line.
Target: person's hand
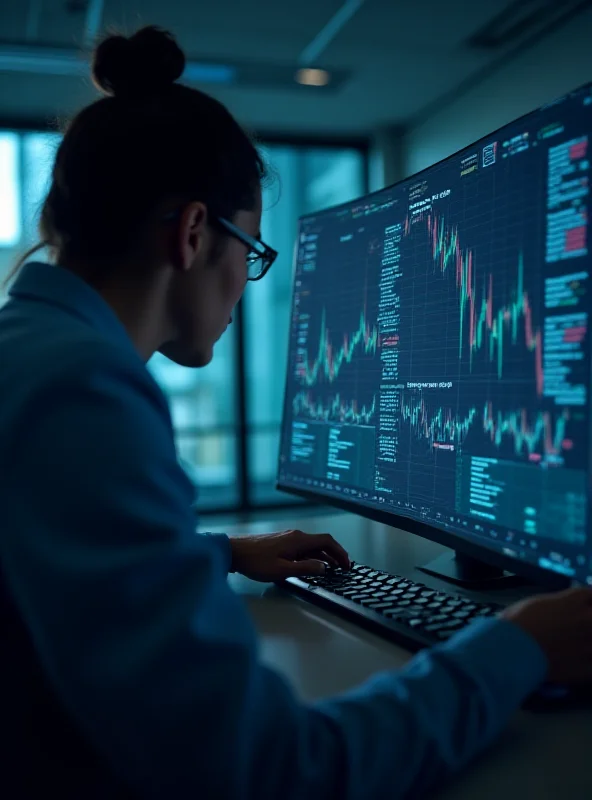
{"x":561,"y":623}
{"x":276,"y":556}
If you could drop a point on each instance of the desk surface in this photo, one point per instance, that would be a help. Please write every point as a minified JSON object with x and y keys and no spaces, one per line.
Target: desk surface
{"x":542,"y":756}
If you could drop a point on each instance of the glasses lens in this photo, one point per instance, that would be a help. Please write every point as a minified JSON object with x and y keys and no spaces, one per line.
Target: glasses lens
{"x":254,"y":266}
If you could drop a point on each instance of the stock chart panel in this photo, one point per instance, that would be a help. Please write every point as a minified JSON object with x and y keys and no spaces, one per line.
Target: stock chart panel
{"x":439,"y":356}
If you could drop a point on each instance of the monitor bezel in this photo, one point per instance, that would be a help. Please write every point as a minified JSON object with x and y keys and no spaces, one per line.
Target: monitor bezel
{"x":455,"y":541}
{"x":539,"y":575}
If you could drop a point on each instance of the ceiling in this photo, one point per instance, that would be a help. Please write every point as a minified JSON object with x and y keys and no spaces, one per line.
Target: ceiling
{"x":392,"y":59}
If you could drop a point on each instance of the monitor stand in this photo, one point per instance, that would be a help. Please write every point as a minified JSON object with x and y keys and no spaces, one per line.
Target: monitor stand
{"x":471,"y":573}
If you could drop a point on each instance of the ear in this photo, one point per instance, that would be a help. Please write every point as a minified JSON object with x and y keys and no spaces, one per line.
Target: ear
{"x":191,"y":233}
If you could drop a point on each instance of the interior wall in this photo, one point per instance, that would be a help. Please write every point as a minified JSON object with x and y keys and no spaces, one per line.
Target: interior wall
{"x":558,"y":63}
{"x":386,"y":157}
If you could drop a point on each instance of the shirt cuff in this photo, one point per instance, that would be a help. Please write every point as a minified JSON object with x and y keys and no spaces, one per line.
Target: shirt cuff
{"x":223,"y":543}
{"x":511,"y":659}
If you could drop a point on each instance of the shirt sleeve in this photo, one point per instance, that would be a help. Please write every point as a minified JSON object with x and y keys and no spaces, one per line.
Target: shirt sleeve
{"x":156,"y":659}
{"x":222,"y":541}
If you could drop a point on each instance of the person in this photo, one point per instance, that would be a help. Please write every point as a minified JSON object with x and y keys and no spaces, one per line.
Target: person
{"x":131,"y":668}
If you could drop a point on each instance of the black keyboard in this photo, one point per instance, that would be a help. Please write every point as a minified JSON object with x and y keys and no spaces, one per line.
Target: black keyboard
{"x":408,"y":613}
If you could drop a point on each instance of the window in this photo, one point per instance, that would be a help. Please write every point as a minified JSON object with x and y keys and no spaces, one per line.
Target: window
{"x":218,"y":432}
{"x":10,"y":198}
{"x":38,"y":156}
{"x":25,"y":168}
{"x":10,"y":216}
{"x":203,"y":409}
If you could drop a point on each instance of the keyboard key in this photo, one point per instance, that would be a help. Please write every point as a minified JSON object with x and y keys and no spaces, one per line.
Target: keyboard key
{"x":437,"y":604}
{"x":428,"y":593}
{"x":408,"y":596}
{"x":454,"y":624}
{"x":391,"y":597}
{"x":436,"y":626}
{"x":393,"y":581}
{"x":445,"y":634}
{"x":488,"y":611}
{"x":462,"y":614}
{"x":357,"y":597}
{"x":396,"y":612}
{"x":372,"y":597}
{"x":415,"y":622}
{"x":368,"y":601}
{"x":379,"y":606}
{"x":437,"y":618}
{"x":422,"y":600}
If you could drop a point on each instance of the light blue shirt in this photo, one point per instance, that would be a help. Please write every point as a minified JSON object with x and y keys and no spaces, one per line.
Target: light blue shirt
{"x":138,"y":638}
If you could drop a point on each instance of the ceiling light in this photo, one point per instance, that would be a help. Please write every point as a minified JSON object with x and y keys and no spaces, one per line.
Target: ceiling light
{"x":312,"y":77}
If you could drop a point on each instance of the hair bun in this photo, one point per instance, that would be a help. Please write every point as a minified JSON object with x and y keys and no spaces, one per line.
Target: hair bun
{"x":143,"y":64}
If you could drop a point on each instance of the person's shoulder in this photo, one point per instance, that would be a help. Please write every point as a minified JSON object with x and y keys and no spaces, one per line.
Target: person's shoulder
{"x":102,"y":367}
{"x":86,"y":371}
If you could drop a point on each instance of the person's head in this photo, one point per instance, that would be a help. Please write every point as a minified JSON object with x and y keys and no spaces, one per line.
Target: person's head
{"x":144,"y":186}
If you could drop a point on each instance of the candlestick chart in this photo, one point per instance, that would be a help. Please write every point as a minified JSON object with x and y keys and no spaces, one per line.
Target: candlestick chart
{"x":489,"y":324}
{"x":330,"y":358}
{"x":525,"y":435}
{"x":333,"y":409}
{"x":484,"y":323}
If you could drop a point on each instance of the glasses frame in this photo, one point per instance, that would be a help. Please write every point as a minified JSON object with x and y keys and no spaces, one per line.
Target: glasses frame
{"x":258,"y":250}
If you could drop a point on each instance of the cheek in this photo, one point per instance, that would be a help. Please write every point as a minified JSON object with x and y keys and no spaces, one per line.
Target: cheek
{"x":235,"y":282}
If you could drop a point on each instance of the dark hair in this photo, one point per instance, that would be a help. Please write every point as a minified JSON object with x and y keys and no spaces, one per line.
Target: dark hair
{"x":149,"y":139}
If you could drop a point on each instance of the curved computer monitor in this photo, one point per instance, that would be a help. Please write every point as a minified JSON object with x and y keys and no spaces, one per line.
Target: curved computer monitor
{"x":438,"y":372}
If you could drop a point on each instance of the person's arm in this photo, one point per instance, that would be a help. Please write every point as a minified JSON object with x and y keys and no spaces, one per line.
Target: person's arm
{"x":156,"y":658}
{"x":222,"y":542}
{"x":220,"y":539}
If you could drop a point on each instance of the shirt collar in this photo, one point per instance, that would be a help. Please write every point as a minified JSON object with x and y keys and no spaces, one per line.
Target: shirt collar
{"x":56,"y":286}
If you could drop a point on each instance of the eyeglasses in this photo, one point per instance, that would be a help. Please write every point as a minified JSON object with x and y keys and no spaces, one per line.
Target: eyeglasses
{"x":260,"y":256}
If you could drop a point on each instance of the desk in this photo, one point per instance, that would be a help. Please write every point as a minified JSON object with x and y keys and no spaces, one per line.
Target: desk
{"x":540,"y":757}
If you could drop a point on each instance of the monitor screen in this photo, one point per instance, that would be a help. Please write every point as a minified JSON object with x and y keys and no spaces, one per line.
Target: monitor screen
{"x":439,"y":357}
